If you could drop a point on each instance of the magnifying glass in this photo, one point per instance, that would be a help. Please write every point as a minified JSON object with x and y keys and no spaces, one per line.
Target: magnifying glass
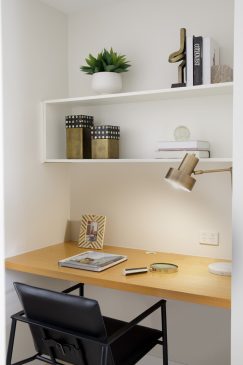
{"x":163,"y":267}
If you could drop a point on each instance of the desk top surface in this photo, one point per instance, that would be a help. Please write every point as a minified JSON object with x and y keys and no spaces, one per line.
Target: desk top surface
{"x":192,"y":283}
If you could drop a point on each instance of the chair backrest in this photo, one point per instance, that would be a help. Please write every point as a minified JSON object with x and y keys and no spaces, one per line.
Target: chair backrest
{"x":67,"y":312}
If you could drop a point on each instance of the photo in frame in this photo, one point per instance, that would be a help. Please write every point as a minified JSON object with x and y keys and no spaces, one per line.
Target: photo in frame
{"x":92,"y":231}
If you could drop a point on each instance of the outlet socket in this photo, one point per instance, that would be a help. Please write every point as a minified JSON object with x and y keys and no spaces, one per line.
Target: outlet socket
{"x":209,"y":238}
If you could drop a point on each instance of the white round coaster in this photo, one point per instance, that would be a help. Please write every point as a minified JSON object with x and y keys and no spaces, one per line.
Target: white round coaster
{"x":220,"y":268}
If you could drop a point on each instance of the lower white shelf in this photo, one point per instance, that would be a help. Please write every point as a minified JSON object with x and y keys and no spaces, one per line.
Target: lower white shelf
{"x":134,"y":160}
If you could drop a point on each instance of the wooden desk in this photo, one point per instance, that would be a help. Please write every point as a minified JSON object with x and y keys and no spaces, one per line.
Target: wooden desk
{"x":192,"y":283}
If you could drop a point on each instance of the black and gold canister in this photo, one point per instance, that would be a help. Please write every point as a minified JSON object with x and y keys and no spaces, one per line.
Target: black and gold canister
{"x":105,"y":141}
{"x":78,"y":136}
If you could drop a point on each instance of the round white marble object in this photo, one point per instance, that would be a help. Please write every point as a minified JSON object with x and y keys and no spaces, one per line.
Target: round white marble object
{"x":220,"y":268}
{"x":182,"y":133}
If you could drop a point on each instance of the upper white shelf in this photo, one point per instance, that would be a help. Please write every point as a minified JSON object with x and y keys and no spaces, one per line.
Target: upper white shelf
{"x":149,"y":95}
{"x":139,"y":160}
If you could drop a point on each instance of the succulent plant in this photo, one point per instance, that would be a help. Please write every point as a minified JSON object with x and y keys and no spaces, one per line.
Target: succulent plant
{"x":106,"y":61}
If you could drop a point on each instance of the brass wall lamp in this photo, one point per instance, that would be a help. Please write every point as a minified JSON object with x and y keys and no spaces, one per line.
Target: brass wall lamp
{"x":181,"y":178}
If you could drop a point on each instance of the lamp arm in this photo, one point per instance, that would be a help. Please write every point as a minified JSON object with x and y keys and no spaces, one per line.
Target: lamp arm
{"x":199,"y":172}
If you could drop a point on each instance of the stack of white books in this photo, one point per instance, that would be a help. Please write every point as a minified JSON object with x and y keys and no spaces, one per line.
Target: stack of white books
{"x":178,"y":149}
{"x":92,"y":261}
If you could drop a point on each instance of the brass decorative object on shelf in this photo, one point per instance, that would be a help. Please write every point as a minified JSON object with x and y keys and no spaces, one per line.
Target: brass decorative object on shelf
{"x":178,"y":56}
{"x":105,"y":142}
{"x":78,"y":136}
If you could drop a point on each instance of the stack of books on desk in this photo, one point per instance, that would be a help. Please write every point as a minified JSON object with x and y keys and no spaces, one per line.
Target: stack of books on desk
{"x":92,"y":261}
{"x":178,"y":149}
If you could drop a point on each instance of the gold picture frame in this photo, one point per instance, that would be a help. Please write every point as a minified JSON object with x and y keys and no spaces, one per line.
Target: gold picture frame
{"x":92,"y":231}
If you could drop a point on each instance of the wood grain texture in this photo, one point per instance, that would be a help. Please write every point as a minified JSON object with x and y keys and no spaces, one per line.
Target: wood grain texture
{"x":192,"y":283}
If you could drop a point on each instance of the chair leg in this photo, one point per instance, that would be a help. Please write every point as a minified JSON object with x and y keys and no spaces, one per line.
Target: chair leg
{"x":11,"y":342}
{"x":25,"y":361}
{"x":164,"y":329}
{"x":11,"y":345}
{"x":104,"y":355}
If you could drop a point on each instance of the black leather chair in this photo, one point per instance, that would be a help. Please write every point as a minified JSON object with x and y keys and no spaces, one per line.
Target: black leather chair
{"x":71,"y":328}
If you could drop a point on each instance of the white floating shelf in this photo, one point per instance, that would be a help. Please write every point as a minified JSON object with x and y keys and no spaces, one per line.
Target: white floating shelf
{"x":54,"y":111}
{"x":134,"y":160}
{"x":148,"y":95}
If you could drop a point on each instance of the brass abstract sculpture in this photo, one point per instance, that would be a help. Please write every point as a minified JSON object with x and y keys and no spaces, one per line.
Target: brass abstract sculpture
{"x":178,"y":56}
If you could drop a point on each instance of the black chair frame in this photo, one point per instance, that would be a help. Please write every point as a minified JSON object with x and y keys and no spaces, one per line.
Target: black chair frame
{"x":20,"y":316}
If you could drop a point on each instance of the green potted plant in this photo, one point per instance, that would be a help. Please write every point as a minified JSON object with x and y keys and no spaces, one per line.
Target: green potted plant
{"x":106,"y":71}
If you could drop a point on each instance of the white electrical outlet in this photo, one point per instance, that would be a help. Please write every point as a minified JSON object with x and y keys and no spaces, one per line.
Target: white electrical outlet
{"x":209,"y":238}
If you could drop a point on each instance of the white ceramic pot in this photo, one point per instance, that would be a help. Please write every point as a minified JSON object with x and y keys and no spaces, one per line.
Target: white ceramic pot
{"x":106,"y":82}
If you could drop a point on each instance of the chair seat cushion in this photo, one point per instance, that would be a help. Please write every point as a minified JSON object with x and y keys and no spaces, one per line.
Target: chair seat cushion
{"x":132,"y":346}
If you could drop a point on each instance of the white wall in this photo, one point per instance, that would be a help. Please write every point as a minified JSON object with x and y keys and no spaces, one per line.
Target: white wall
{"x":127,"y":189}
{"x":142,"y":211}
{"x":147,"y":32}
{"x":133,"y":187}
{"x":2,"y":276}
{"x":36,"y":195}
{"x":35,"y":68}
{"x":237,"y":292}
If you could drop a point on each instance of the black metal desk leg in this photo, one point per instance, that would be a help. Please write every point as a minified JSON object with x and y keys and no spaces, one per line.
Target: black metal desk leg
{"x":11,"y":342}
{"x":164,"y":329}
{"x":79,"y":286}
{"x":81,"y":289}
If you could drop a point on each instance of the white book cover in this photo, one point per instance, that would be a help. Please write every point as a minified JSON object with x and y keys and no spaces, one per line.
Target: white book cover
{"x":210,"y":58}
{"x":181,"y":154}
{"x":189,"y":61}
{"x":191,"y":144}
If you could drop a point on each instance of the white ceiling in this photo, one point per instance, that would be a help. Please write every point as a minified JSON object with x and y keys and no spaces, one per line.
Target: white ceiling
{"x":72,"y":6}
